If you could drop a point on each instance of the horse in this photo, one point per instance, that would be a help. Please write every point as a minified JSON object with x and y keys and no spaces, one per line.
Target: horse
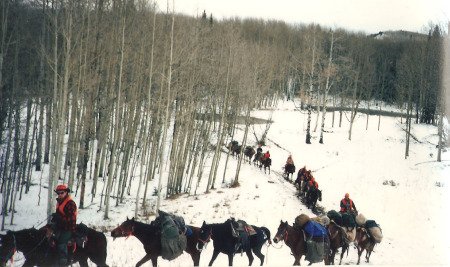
{"x":259,"y":159}
{"x":224,"y":241}
{"x":36,"y":245}
{"x":248,"y":153}
{"x":266,"y":163}
{"x":289,"y":170}
{"x":336,"y":241}
{"x":312,"y":198}
{"x":365,"y":242}
{"x":234,"y":148}
{"x":150,"y":237}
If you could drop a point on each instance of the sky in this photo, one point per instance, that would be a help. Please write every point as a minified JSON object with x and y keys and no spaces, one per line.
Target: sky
{"x":412,"y":209}
{"x":369,"y":16}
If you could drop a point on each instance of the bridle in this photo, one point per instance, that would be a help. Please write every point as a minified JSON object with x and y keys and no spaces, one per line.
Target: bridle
{"x":284,"y":236}
{"x":207,"y":239}
{"x":126,"y":233}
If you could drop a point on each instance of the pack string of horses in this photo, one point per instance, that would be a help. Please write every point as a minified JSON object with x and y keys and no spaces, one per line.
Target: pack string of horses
{"x":318,"y":238}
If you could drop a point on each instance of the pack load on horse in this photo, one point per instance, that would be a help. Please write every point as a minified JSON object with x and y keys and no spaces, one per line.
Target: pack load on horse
{"x":248,"y":153}
{"x":258,"y":153}
{"x":173,"y":238}
{"x":151,"y":237}
{"x":346,"y":222}
{"x":306,"y":237}
{"x":372,"y":227}
{"x":233,"y":236}
{"x":289,"y":168}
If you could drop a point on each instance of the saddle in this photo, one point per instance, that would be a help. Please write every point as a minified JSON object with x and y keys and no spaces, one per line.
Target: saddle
{"x":240,"y":227}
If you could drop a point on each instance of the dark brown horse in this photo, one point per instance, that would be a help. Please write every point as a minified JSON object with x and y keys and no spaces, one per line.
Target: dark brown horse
{"x":249,"y":152}
{"x":365,"y":242}
{"x":289,"y":170}
{"x":150,"y":237}
{"x":235,"y":149}
{"x":293,"y":238}
{"x":37,"y":248}
{"x":265,"y":162}
{"x":336,"y":241}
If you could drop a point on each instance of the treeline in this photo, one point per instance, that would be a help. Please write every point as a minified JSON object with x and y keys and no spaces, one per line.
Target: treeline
{"x":93,"y":89}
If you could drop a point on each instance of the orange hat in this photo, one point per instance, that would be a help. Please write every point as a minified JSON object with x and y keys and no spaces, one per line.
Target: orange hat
{"x":62,"y":187}
{"x":347,"y":195}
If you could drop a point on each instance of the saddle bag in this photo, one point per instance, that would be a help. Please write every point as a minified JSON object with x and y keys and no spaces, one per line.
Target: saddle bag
{"x":316,"y":251}
{"x":335,"y":216}
{"x":173,"y":243}
{"x":374,"y":231}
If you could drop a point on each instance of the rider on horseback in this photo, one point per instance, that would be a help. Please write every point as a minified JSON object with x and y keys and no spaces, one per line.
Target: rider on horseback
{"x":312,"y":185}
{"x":266,"y":157}
{"x":347,"y":205}
{"x":289,"y":161}
{"x":258,"y":152}
{"x":64,"y":220}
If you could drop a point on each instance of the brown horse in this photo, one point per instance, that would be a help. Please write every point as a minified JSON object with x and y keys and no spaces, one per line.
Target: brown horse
{"x":249,"y":152}
{"x":365,"y":242}
{"x":266,"y":163}
{"x":150,"y":237}
{"x":293,"y":238}
{"x":235,"y":149}
{"x":336,"y":241}
{"x":289,"y":170}
{"x":36,"y":247}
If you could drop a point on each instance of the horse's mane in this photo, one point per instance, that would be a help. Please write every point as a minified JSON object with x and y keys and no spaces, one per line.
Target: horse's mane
{"x":144,"y":227}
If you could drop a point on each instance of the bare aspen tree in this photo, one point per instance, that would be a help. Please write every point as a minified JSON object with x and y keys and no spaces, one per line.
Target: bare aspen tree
{"x":117,"y":115}
{"x":166,"y":116}
{"x":311,"y":73}
{"x":327,"y":88}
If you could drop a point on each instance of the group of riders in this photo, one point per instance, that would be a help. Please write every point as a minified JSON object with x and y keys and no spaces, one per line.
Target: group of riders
{"x":64,"y":219}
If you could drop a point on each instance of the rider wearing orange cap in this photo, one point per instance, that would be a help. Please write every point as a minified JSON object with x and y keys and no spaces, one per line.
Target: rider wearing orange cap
{"x":312,"y":185}
{"x":347,"y":205}
{"x":64,"y":219}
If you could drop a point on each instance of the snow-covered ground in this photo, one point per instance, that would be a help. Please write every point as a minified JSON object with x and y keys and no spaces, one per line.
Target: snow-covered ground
{"x":413,"y":213}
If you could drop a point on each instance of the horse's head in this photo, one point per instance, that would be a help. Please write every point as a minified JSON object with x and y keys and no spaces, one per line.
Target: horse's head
{"x":126,"y":229}
{"x":7,"y":247}
{"x":204,"y":237}
{"x":282,"y":232}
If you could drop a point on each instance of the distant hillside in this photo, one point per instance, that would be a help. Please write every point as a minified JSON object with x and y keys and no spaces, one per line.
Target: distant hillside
{"x":399,"y":35}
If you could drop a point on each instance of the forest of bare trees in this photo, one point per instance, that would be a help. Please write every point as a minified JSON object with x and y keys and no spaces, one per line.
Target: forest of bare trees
{"x":94,"y":89}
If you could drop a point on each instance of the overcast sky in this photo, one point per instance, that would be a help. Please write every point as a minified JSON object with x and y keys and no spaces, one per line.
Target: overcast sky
{"x":369,"y":16}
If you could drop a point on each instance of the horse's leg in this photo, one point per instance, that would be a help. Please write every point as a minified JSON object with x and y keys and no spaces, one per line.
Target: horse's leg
{"x":214,"y":256}
{"x":333,"y":254}
{"x":257,"y":252}
{"x":344,"y":248}
{"x":250,"y":256}
{"x":195,"y":258}
{"x":297,"y":260}
{"x":146,"y":258}
{"x":230,"y":259}
{"x":360,"y":250}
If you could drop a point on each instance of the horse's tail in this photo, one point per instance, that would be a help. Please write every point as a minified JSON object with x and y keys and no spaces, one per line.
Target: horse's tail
{"x":267,"y":234}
